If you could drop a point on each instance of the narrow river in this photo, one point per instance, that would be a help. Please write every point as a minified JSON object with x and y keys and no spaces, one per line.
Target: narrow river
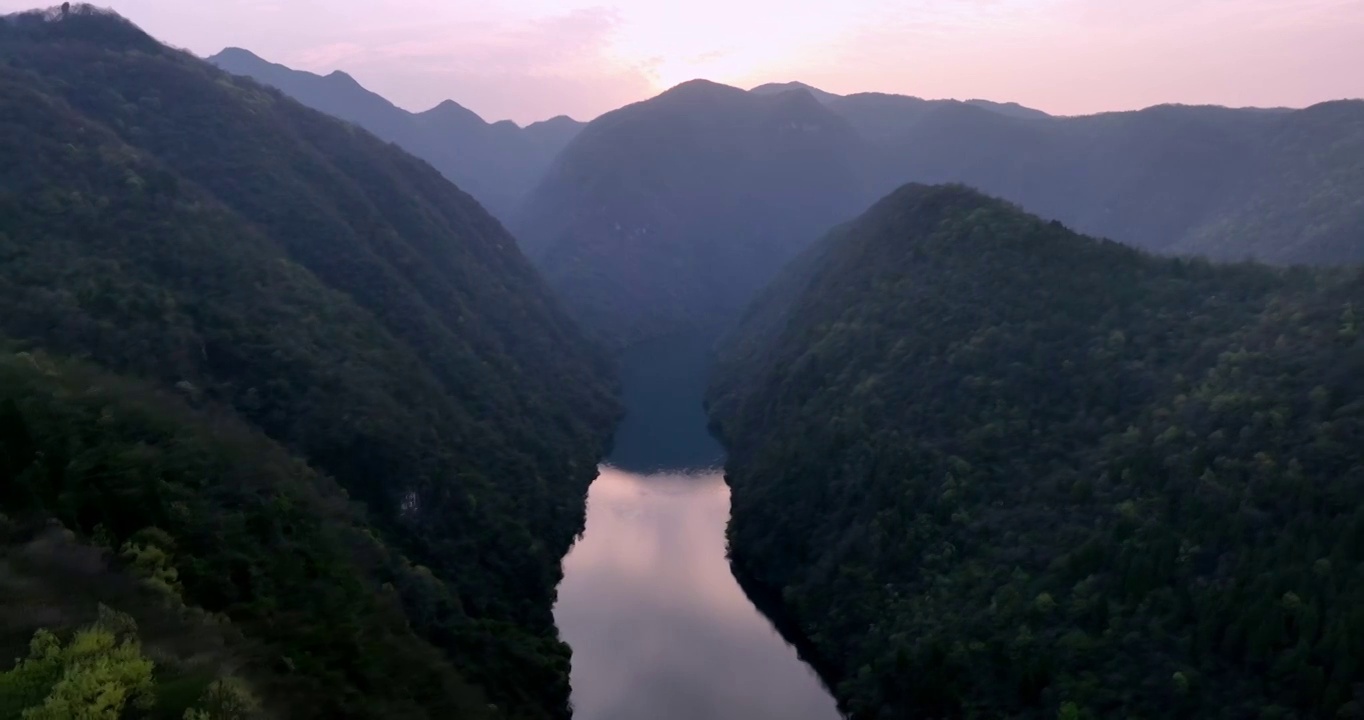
{"x":659,"y":627}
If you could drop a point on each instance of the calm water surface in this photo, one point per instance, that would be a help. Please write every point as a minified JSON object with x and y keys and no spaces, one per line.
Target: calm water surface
{"x":660,"y":630}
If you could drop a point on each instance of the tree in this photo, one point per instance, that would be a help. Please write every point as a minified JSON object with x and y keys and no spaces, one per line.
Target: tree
{"x":95,"y":676}
{"x":225,"y":699}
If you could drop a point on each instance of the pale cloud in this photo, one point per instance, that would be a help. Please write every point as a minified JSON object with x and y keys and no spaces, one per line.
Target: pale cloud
{"x":1203,"y":15}
{"x":1081,"y":56}
{"x":531,"y":59}
{"x":322,"y":57}
{"x":524,"y":70}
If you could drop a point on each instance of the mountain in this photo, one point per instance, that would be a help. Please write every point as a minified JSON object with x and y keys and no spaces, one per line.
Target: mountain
{"x":297,"y":361}
{"x":1011,"y":109}
{"x":185,"y":509}
{"x":497,"y":163}
{"x":668,"y":214}
{"x":1275,"y":185}
{"x":672,"y":212}
{"x":983,"y":466}
{"x":779,"y":88}
{"x":1305,"y":202}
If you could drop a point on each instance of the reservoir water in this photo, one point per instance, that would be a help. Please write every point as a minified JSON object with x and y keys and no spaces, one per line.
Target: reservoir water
{"x":659,"y":627}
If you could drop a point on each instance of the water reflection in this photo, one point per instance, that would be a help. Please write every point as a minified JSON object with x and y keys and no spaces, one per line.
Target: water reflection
{"x":659,"y":628}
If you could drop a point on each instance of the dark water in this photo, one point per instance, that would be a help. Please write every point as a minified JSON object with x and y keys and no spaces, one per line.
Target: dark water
{"x":659,"y":628}
{"x":665,"y":428}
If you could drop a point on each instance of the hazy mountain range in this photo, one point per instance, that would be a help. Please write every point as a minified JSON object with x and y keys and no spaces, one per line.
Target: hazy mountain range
{"x":495,"y":162}
{"x":671,"y":212}
{"x":1280,"y":186}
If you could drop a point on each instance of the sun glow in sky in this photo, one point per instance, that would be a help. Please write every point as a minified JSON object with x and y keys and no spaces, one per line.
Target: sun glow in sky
{"x":531,"y":59}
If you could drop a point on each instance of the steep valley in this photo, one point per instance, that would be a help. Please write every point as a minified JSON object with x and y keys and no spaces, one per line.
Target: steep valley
{"x":497,"y":163}
{"x":315,"y":407}
{"x":670,"y":214}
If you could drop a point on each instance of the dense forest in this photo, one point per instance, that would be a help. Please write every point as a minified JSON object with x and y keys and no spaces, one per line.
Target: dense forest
{"x":497,"y":163}
{"x":989,"y":467}
{"x":229,"y":318}
{"x":236,"y":560}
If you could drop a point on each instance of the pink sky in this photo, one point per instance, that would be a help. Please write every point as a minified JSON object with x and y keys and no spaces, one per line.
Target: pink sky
{"x":531,"y":59}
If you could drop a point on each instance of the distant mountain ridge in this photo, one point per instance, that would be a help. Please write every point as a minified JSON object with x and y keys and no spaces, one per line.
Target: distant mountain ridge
{"x":669,"y":213}
{"x":1283,"y":186}
{"x":1011,"y":109}
{"x":682,"y":228}
{"x":777,"y":88}
{"x":495,"y":162}
{"x":1176,"y":179}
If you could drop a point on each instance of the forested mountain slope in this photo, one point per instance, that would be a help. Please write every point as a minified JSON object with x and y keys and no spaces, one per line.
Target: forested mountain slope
{"x":497,"y":163}
{"x":165,"y":220}
{"x":670,"y":213}
{"x":1305,"y":201}
{"x":993,"y":468}
{"x":1275,"y":185}
{"x":180,"y":511}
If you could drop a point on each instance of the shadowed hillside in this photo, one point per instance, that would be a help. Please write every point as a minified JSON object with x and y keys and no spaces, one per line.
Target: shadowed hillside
{"x":167,"y":222}
{"x":993,"y":468}
{"x":668,"y":214}
{"x":497,"y":163}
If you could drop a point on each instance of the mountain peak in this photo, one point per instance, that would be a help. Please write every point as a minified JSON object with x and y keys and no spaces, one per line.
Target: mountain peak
{"x":1010,"y":109}
{"x":700,"y":88}
{"x":927,"y":200}
{"x":794,"y":86}
{"x":558,"y":120}
{"x":82,"y":22}
{"x":449,"y":105}
{"x":449,"y":112}
{"x":235,"y":54}
{"x":240,"y":61}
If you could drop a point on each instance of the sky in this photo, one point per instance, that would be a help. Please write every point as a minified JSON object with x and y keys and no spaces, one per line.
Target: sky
{"x":528,"y":60}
